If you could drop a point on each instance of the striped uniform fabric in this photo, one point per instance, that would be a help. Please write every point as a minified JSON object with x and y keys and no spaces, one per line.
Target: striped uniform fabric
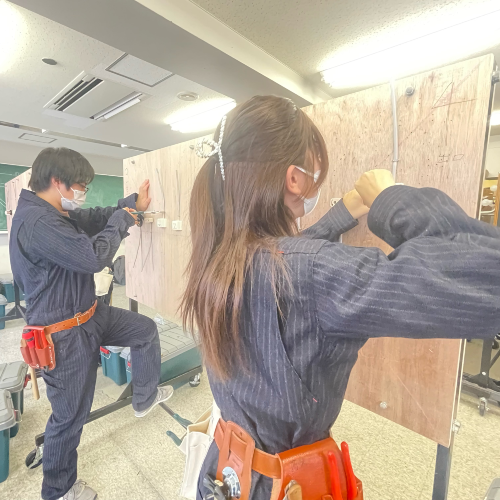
{"x":441,"y":281}
{"x":54,"y":259}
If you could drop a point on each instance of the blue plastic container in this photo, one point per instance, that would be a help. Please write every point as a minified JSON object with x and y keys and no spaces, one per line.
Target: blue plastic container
{"x":8,"y":286}
{"x":125,"y":354}
{"x":113,"y":365}
{"x":3,"y":303}
{"x":12,"y":377}
{"x":7,"y":422}
{"x":129,"y":372}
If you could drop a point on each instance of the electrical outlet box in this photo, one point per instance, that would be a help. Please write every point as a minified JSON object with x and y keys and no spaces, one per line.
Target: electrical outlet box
{"x":334,"y":201}
{"x":177,"y":225}
{"x":161,"y":222}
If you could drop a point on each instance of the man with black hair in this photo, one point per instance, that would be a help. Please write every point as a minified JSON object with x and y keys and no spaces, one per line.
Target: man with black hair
{"x":55,"y":249}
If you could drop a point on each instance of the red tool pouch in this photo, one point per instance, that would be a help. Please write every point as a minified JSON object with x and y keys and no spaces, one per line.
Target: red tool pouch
{"x":37,"y":348}
{"x":322,"y":470}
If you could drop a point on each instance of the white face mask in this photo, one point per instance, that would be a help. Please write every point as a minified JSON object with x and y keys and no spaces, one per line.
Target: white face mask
{"x":77,"y":201}
{"x":310,"y":203}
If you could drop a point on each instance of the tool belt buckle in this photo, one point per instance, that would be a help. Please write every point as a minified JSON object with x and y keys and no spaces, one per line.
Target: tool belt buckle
{"x":37,"y":348}
{"x":77,"y":317}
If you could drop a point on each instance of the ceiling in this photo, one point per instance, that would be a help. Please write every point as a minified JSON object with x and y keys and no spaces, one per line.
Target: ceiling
{"x":224,"y":49}
{"x":313,"y":35}
{"x":28,"y":84}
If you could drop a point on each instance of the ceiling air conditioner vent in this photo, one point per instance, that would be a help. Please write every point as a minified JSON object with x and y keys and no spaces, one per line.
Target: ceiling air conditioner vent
{"x":76,"y":92}
{"x":87,"y":99}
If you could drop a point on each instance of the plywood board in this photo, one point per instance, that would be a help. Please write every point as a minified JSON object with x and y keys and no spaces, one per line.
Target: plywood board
{"x":13,"y":190}
{"x":442,"y":131}
{"x":156,"y":258}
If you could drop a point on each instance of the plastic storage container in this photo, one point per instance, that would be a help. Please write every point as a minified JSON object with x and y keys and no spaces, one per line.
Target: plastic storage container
{"x":8,"y":286}
{"x":3,"y":303}
{"x":7,"y":422}
{"x":125,"y":354}
{"x":12,"y":377}
{"x":113,"y":365}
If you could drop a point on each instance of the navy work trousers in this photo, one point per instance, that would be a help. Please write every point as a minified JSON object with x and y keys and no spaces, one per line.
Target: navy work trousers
{"x":71,"y":384}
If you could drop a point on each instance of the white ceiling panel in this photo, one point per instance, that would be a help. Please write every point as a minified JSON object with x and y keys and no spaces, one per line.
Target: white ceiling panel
{"x":140,"y":71}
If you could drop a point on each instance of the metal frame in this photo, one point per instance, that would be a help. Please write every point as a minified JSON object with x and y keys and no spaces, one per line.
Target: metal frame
{"x":481,"y":384}
{"x":18,"y":311}
{"x":125,"y":399}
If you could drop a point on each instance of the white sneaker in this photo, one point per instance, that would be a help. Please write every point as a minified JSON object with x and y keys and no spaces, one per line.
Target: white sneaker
{"x":163,"y":394}
{"x":80,"y":491}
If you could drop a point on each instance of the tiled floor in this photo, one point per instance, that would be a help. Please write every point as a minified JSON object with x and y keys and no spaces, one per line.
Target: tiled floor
{"x":124,"y":457}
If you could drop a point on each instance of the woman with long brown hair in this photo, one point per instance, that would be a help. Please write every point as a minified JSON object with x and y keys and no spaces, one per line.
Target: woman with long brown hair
{"x":281,"y":314}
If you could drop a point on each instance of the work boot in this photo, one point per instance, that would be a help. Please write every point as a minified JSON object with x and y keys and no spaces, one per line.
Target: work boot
{"x":80,"y":491}
{"x":163,"y":394}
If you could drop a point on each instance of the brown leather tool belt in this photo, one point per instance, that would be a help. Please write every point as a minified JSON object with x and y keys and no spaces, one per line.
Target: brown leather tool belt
{"x":37,"y":346}
{"x":323,"y":471}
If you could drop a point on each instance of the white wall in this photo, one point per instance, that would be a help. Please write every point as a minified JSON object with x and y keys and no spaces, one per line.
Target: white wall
{"x":493,"y":156}
{"x":20,"y":154}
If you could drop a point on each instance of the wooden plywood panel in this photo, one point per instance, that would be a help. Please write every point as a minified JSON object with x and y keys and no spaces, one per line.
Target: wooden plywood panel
{"x":13,"y":190}
{"x":155,"y":266}
{"x":442,"y":131}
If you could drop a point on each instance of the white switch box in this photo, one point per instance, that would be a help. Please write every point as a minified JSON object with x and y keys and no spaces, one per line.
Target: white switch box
{"x":177,"y":225}
{"x":161,"y":222}
{"x":334,"y":201}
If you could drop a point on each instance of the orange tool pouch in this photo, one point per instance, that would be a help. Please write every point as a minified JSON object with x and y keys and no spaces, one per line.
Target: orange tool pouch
{"x":37,"y":347}
{"x":323,"y":471}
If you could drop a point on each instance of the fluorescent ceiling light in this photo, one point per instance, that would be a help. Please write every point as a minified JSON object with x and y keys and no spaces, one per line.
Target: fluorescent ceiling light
{"x":13,"y":33}
{"x":124,"y":146}
{"x":202,"y":121}
{"x":354,"y":67}
{"x":118,"y":109}
{"x":495,"y":118}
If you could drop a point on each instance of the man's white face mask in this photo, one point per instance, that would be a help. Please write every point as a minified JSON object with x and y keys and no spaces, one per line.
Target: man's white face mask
{"x":310,"y":203}
{"x":77,"y":201}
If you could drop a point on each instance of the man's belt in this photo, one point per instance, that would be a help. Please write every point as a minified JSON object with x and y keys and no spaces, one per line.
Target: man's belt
{"x":37,"y":346}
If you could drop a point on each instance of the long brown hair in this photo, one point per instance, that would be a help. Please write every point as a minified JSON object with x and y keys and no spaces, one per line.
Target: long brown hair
{"x":234,"y":218}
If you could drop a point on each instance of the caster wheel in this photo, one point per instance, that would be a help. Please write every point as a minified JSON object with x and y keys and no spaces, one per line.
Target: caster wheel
{"x":34,"y":458}
{"x":195,"y":381}
{"x":483,"y":406}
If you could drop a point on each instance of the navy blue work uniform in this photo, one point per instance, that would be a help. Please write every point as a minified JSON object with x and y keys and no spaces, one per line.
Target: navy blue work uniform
{"x":54,"y":259}
{"x":441,"y":281}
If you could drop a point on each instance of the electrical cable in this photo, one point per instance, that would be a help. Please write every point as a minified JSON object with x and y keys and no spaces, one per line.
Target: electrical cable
{"x":395,"y":147}
{"x":162,"y":193}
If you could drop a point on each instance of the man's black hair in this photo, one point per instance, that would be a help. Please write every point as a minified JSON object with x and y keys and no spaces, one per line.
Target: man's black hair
{"x":64,"y":164}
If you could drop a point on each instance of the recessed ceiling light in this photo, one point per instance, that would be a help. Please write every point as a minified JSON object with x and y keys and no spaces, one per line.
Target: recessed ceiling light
{"x":187,"y":96}
{"x":50,"y":62}
{"x":36,"y":138}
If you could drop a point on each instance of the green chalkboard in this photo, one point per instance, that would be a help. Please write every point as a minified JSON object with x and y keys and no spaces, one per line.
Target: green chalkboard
{"x":7,"y":173}
{"x":104,"y":191}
